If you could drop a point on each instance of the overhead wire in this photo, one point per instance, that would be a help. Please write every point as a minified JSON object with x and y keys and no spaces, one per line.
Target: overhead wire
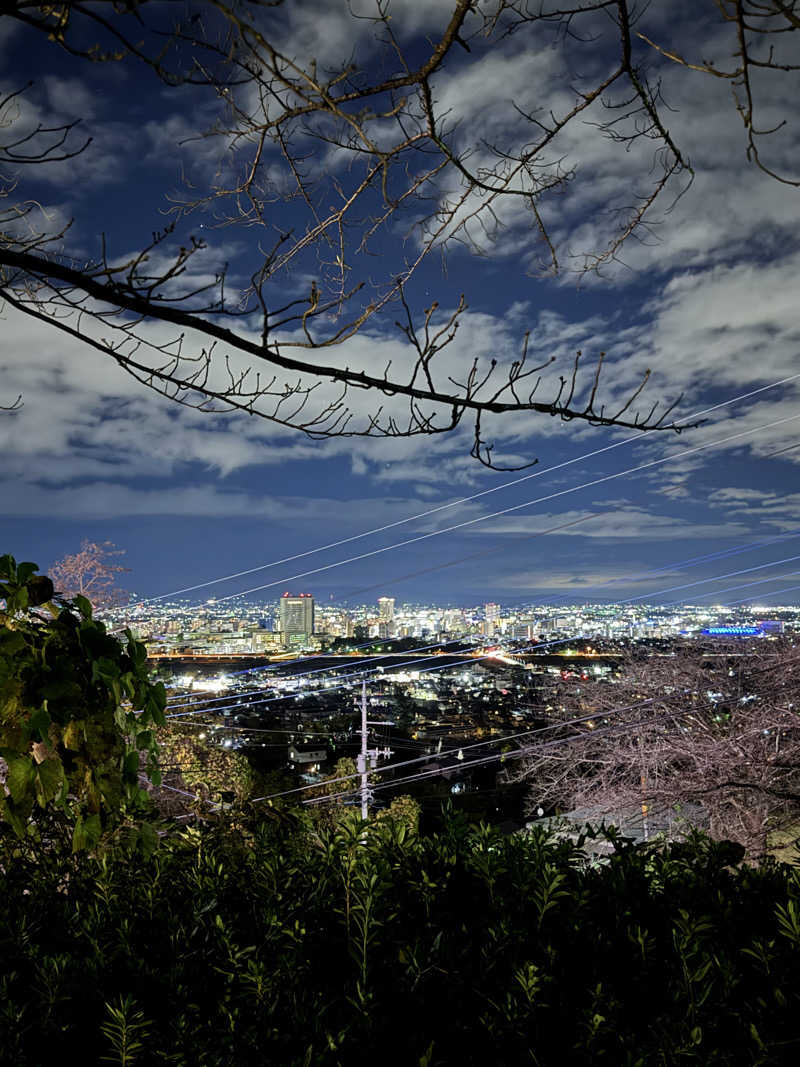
{"x":447,"y":752}
{"x":742,"y":585}
{"x":774,"y":592}
{"x":206,"y":705}
{"x":341,"y":666}
{"x":702,"y":581}
{"x":455,"y":503}
{"x":463,"y":637}
{"x":691,"y":561}
{"x":551,"y":496}
{"x":362,"y":674}
{"x":521,"y":753}
{"x":515,"y":507}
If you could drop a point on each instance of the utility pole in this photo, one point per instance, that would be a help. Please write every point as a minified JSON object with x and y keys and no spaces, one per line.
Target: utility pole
{"x":643,"y":784}
{"x":362,"y":759}
{"x":368,"y":757}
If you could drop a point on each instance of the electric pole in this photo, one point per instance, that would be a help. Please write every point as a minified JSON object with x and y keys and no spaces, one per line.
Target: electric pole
{"x":643,"y":784}
{"x":368,"y":757}
{"x":362,"y":759}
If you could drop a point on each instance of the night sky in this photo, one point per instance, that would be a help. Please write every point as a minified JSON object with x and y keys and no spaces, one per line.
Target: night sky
{"x":707,"y":298}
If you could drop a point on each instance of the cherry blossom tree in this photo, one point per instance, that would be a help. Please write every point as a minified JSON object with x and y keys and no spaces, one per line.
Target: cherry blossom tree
{"x":92,"y":573}
{"x":711,"y":734}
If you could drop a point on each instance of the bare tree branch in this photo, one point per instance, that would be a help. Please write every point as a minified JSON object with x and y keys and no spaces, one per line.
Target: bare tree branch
{"x":719,"y":731}
{"x":361,"y":151}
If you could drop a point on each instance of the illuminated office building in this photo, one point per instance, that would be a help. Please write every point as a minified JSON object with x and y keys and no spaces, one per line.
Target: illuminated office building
{"x":296,"y":618}
{"x":386,"y":627}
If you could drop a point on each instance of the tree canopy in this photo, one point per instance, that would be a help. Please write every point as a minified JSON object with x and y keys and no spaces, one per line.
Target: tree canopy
{"x":709,"y":736}
{"x":91,"y":573}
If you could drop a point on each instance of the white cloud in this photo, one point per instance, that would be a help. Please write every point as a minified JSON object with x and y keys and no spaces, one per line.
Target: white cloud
{"x":628,"y":522}
{"x":110,"y":499}
{"x":770,"y":508}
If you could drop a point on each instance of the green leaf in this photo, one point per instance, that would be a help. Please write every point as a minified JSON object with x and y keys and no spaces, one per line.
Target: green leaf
{"x":40,"y":590}
{"x":50,"y":775}
{"x":148,"y":839}
{"x":136,"y":650}
{"x":39,"y":723}
{"x":18,"y":820}
{"x":83,"y":606}
{"x":11,"y":642}
{"x":756,"y":1036}
{"x":86,"y":833}
{"x":21,"y":776}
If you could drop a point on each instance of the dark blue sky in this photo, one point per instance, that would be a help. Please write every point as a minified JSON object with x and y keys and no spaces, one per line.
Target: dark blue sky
{"x":706,"y":301}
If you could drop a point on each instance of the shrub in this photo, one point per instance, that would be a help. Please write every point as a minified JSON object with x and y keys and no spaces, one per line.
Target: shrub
{"x":334,"y":947}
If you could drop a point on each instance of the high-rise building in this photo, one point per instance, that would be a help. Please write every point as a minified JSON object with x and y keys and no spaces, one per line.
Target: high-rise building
{"x":386,"y":608}
{"x":491,"y":618}
{"x":296,"y":618}
{"x":386,"y":626}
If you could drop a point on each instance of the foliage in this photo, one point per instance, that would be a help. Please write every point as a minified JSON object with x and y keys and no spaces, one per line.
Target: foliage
{"x":207,"y":770}
{"x":403,"y":811}
{"x":77,"y":712}
{"x":320,"y":947}
{"x":342,"y":783}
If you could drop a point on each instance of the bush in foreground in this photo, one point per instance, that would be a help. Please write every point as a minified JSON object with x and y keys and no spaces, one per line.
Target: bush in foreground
{"x":310,"y":947}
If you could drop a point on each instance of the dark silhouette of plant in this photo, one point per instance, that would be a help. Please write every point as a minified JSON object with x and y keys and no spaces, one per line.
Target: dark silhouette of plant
{"x":349,"y":172}
{"x":299,"y":945}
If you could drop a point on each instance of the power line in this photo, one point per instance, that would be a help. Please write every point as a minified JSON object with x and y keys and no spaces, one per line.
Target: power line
{"x":206,"y":705}
{"x":502,"y":756}
{"x":552,"y":529}
{"x":515,"y":507}
{"x":744,"y":585}
{"x":692,"y":561}
{"x":344,"y":666}
{"x":359,"y":674}
{"x":448,"y":752}
{"x":702,"y":581}
{"x":463,"y":637}
{"x":455,"y":503}
{"x":780,"y":451}
{"x":522,"y":752}
{"x":775,"y":592}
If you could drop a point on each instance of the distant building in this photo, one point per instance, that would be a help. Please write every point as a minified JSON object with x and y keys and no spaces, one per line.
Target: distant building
{"x":453,"y":622}
{"x":386,"y":616}
{"x":386,"y":625}
{"x":309,"y":757}
{"x":491,"y":614}
{"x":733,"y":631}
{"x":296,"y":618}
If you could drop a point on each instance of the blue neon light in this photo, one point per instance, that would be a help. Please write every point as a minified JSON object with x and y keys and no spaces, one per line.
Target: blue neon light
{"x":733,"y":631}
